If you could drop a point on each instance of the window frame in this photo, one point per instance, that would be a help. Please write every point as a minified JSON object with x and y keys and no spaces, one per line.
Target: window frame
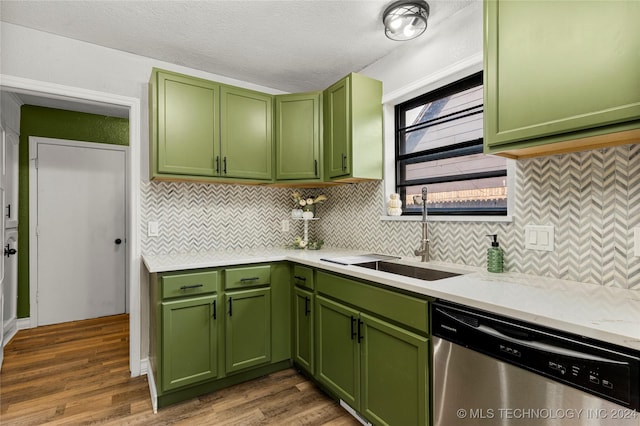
{"x":470,"y":147}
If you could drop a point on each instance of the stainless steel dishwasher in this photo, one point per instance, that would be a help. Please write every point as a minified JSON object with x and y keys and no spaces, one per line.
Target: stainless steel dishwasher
{"x":491,"y":370}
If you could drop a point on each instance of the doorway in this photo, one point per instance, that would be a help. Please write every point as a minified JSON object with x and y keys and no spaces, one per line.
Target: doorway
{"x":91,"y":98}
{"x":77,"y":230}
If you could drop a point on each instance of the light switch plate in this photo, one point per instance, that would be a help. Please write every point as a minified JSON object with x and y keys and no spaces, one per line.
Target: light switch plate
{"x":539,"y":237}
{"x":152,"y":229}
{"x":636,"y":241}
{"x":284,"y":225}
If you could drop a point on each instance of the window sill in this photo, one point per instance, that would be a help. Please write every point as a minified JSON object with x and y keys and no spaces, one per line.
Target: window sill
{"x":505,"y":219}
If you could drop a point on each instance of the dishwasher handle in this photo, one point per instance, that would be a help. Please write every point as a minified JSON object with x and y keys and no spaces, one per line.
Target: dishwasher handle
{"x":532,"y":344}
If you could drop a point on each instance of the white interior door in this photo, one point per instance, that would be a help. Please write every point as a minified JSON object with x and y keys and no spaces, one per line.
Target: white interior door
{"x":80,"y":231}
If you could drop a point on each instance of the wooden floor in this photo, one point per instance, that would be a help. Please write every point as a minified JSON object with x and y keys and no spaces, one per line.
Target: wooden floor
{"x":78,"y":373}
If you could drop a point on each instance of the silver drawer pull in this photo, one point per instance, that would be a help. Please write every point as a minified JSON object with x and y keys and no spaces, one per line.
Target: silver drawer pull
{"x":187,"y":287}
{"x":249,"y":279}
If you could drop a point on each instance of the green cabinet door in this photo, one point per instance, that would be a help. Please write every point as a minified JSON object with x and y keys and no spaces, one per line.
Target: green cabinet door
{"x":338,"y":352}
{"x":189,"y":341}
{"x":248,"y":328}
{"x":187,"y":125}
{"x":353,"y":145}
{"x":246,"y":133}
{"x":394,"y":374}
{"x":281,"y":312}
{"x":549,"y":79}
{"x":303,"y":329}
{"x":298,"y":136}
{"x":337,"y":129}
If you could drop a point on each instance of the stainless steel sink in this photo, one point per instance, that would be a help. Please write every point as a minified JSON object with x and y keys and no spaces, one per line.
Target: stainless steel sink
{"x":408,"y":270}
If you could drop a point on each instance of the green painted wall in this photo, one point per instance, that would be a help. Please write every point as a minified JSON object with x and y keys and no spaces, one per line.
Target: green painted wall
{"x":59,"y":124}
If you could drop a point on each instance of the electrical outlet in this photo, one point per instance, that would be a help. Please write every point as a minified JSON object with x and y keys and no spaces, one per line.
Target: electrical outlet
{"x":636,"y":241}
{"x":153,"y":228}
{"x":284,"y":225}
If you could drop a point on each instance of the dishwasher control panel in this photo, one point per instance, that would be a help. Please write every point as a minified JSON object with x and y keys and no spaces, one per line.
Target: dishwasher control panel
{"x":602,"y":378}
{"x":595,"y":367}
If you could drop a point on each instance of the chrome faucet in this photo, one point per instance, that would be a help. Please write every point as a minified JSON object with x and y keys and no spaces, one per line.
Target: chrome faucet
{"x":424,"y":244}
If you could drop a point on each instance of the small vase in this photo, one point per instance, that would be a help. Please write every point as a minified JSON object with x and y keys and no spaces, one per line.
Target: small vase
{"x":310,"y":208}
{"x":296,"y":213}
{"x":307,"y":215}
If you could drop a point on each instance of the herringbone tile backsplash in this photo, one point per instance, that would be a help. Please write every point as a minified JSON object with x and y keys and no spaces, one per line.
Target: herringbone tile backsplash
{"x":592,"y":198}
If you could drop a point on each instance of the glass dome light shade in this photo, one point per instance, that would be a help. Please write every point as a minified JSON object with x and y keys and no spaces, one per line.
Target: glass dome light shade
{"x":405,"y":20}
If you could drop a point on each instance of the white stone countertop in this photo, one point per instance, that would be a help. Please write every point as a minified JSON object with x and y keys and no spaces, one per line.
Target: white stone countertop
{"x":604,"y":313}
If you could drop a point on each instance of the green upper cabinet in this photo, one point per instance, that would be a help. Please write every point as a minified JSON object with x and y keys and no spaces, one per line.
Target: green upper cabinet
{"x":187,"y":125}
{"x":560,"y":76}
{"x":353,"y":129}
{"x":207,"y":131}
{"x":246,"y":133}
{"x":298,"y":118}
{"x":337,"y":128}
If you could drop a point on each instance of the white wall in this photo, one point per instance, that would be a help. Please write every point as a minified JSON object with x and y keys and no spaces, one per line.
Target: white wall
{"x":40,"y":56}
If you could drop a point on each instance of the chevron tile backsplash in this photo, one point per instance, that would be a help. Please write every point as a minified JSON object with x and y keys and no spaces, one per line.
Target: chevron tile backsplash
{"x":201,"y":217}
{"x":592,"y":199}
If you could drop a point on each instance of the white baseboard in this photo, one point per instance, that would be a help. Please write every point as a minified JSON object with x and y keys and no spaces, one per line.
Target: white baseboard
{"x":23,"y":323}
{"x":144,"y":366}
{"x":10,"y":330}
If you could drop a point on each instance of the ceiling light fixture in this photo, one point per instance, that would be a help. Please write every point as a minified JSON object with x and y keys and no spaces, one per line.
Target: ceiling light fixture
{"x":405,"y":20}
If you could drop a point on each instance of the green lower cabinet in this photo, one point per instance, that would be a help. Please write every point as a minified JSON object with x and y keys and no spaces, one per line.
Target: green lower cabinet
{"x":338,"y":362}
{"x":281,"y":312}
{"x":379,"y":369}
{"x":189,"y":341}
{"x":394,"y":374}
{"x":248,"y":329}
{"x":303,"y":329}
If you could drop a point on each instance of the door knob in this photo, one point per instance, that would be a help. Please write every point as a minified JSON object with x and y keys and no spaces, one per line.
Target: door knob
{"x":118,"y":241}
{"x":8,"y":251}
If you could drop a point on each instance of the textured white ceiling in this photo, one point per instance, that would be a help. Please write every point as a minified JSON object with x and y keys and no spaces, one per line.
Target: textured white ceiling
{"x":293,"y":46}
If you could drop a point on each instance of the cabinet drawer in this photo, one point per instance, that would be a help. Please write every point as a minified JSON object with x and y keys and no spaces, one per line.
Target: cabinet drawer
{"x":303,"y":276}
{"x":189,"y":284}
{"x":401,"y":308}
{"x":247,"y":276}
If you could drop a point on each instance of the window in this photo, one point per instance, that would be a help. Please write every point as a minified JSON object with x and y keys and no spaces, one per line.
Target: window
{"x":439,"y":145}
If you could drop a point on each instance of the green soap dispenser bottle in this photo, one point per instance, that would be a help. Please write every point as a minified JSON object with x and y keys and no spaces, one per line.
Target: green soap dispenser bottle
{"x":495,"y":256}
